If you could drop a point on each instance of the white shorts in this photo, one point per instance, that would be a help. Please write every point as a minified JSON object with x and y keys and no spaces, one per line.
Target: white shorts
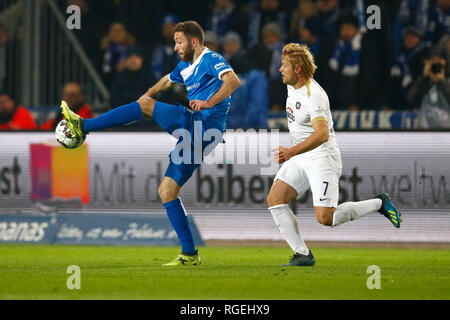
{"x":321,"y":174}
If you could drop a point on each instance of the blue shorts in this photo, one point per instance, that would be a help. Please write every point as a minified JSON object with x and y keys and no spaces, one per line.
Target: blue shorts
{"x":171,"y":118}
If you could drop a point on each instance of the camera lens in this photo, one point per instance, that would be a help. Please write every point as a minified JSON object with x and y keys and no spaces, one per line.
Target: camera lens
{"x":436,"y":67}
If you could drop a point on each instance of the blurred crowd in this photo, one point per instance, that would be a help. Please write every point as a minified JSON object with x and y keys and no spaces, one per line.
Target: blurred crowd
{"x":401,"y":64}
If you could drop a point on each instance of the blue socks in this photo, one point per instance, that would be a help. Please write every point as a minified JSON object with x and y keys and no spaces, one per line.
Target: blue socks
{"x":179,"y":221}
{"x":120,"y":116}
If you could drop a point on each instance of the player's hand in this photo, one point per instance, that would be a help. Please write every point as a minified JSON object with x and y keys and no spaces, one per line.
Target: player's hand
{"x":282,"y":154}
{"x":198,"y":105}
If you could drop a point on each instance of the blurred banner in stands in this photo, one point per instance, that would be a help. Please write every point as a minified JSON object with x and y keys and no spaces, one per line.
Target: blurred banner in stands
{"x":361,"y":120}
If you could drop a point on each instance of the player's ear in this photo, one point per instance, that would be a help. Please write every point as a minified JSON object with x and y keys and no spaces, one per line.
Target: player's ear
{"x":194,"y":42}
{"x":298,"y":70}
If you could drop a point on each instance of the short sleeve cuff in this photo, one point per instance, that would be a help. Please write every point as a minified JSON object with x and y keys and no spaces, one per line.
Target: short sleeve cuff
{"x":224,"y":71}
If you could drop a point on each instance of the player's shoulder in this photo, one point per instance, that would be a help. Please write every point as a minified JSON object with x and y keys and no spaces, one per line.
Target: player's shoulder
{"x":182,"y":65}
{"x":213,"y":57}
{"x":316,"y":91}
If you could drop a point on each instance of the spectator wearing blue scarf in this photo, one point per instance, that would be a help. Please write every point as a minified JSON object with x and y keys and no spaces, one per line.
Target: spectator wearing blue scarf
{"x":320,"y":45}
{"x":226,"y":16}
{"x":164,"y":59}
{"x":439,"y":21}
{"x":345,"y":64}
{"x":116,"y":46}
{"x":408,"y":66}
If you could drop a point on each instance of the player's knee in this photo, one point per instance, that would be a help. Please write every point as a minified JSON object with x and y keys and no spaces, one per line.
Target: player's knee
{"x":147,"y":105}
{"x":167,"y":194}
{"x":274,"y":199}
{"x":325,"y":219}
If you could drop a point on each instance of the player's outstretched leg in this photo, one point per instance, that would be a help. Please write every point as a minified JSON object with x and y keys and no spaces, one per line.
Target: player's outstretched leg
{"x":350,"y":211}
{"x":389,"y":210}
{"x":120,"y":116}
{"x":74,"y":121}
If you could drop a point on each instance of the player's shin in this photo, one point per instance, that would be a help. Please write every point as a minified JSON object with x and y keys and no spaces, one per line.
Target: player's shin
{"x":288,"y":226}
{"x":350,"y":211}
{"x":123,"y":115}
{"x":179,"y":220}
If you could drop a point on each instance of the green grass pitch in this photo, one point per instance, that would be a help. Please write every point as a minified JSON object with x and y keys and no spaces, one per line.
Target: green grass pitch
{"x":39,"y":272}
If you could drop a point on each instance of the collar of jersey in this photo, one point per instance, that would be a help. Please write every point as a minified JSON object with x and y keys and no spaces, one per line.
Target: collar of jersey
{"x":186,"y":73}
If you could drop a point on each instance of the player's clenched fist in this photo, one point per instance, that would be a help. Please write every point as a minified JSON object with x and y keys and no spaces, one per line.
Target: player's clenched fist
{"x":282,"y":154}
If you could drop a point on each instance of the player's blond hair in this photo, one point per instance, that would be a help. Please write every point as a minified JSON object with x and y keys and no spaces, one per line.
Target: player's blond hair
{"x":300,"y":56}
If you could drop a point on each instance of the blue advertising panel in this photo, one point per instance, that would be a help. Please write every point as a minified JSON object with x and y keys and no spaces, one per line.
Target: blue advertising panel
{"x":92,"y":229}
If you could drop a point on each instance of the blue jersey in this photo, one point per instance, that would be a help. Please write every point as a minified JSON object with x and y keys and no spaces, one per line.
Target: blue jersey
{"x":202,"y":80}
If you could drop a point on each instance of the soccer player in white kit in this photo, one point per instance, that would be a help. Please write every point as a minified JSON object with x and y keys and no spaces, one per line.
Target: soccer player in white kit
{"x":313,"y":161}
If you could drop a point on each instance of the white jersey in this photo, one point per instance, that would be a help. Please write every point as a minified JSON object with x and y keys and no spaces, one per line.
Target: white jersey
{"x":301,"y":109}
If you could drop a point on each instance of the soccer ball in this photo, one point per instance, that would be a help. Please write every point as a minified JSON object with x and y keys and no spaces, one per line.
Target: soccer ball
{"x":65,"y":136}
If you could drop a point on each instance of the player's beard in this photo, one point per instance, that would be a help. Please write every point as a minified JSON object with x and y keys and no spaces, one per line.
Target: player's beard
{"x":188,"y":55}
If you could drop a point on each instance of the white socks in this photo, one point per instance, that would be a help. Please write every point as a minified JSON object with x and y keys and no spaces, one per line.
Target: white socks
{"x":354,"y":210}
{"x":288,"y":226}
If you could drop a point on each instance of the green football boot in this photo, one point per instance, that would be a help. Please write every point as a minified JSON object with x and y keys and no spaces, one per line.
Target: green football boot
{"x":389,"y":210}
{"x":74,"y":121}
{"x":184,"y":260}
{"x":301,"y":260}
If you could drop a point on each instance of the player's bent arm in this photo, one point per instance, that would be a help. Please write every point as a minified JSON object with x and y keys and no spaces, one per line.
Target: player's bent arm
{"x":320,"y":135}
{"x":163,"y":84}
{"x":230,"y":83}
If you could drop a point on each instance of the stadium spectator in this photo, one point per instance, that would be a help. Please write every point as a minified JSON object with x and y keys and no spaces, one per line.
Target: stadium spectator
{"x":226,"y":16}
{"x":439,"y":21}
{"x":164,"y":59}
{"x":345,"y":65}
{"x":115,"y":45}
{"x":13,"y":116}
{"x":328,"y":14}
{"x":212,"y":41}
{"x":268,"y":11}
{"x":76,"y":100}
{"x":249,"y":103}
{"x":266,"y":57}
{"x":234,"y":53}
{"x":131,"y":83}
{"x":432,"y":17}
{"x":408,"y":66}
{"x":304,"y":10}
{"x":321,"y":46}
{"x":431,"y":91}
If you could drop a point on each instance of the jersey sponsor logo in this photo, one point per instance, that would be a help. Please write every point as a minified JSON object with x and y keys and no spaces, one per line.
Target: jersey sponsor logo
{"x":219,"y":65}
{"x":290,"y":114}
{"x":291,"y":117}
{"x":193,"y":86}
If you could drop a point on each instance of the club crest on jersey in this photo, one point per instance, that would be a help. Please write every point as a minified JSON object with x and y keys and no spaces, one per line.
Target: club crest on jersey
{"x":290,"y":114}
{"x":298,"y":105}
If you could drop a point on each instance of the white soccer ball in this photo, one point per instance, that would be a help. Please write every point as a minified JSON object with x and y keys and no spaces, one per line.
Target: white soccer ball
{"x":65,"y":136}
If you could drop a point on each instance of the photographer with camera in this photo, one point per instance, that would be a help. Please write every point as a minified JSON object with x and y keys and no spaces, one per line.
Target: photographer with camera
{"x":431,"y":91}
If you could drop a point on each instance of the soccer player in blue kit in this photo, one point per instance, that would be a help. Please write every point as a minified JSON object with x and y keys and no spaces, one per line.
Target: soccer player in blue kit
{"x":209,"y":81}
